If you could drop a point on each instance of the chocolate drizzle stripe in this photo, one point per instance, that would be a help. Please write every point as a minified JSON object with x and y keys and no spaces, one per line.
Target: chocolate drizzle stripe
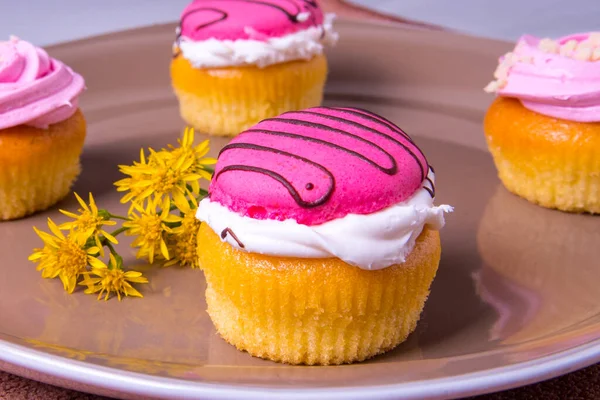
{"x":315,"y":125}
{"x":359,"y":112}
{"x":223,"y":17}
{"x":368,"y":115}
{"x":359,"y":125}
{"x":293,"y":192}
{"x":431,"y":192}
{"x":389,"y":171}
{"x":288,"y":185}
{"x":292,"y":16}
{"x":233,"y":236}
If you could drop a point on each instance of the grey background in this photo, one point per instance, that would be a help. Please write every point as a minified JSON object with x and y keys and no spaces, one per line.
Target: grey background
{"x":45,"y":22}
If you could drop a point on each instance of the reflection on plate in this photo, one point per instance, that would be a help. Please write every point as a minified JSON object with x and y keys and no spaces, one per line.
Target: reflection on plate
{"x":548,"y":259}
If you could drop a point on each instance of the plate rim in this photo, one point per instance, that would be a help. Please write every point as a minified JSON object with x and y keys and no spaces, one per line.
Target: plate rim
{"x":135,"y":383}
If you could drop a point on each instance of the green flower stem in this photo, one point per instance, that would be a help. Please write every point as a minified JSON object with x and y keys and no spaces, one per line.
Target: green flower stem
{"x":208,"y":169}
{"x":119,"y":231}
{"x":105,"y":242}
{"x":111,"y":248}
{"x":116,"y":255}
{"x":118,"y":217}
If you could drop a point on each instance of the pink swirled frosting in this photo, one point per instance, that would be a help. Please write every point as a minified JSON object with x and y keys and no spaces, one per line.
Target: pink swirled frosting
{"x":558,"y":78}
{"x":35,"y":89}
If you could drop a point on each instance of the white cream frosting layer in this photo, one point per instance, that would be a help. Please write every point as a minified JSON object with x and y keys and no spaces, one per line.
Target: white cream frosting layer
{"x":372,"y":241}
{"x":301,"y":45}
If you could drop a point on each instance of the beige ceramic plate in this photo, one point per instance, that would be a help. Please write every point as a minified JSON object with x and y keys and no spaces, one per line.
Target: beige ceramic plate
{"x":516,"y":299}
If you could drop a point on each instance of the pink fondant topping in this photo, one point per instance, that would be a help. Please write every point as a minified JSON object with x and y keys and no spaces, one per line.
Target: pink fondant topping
{"x":317,"y":165}
{"x":247,"y":19}
{"x":35,"y":89}
{"x":556,"y":78}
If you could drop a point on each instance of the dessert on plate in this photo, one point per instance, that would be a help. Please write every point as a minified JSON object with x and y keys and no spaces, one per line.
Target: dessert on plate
{"x":42,"y":129}
{"x":319,"y":239}
{"x":237,"y":62}
{"x":543,"y":129}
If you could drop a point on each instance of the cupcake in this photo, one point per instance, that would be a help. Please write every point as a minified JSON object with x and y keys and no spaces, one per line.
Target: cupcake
{"x":42,"y":129}
{"x":543,"y":129}
{"x":237,"y":62}
{"x":319,"y":239}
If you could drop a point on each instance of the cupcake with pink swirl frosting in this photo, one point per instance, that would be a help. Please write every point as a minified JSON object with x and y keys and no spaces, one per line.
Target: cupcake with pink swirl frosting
{"x":543,"y":129}
{"x":319,"y":239}
{"x":42,"y":129}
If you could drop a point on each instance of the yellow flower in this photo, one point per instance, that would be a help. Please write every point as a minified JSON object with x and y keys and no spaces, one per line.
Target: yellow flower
{"x":172,"y":172}
{"x":136,"y":175}
{"x":197,"y":153}
{"x":150,"y":225}
{"x":182,"y":241}
{"x":169,"y":176}
{"x":89,"y":223}
{"x":64,"y":256}
{"x":112,"y":279}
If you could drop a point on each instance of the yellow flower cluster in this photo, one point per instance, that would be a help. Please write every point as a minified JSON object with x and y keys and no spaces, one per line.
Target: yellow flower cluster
{"x":173,"y":173}
{"x":163,"y":191}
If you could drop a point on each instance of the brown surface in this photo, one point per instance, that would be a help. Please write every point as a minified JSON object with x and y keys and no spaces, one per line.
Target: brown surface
{"x":435,"y":94}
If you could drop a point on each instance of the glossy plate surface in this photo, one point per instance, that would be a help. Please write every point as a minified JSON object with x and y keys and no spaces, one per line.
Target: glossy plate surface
{"x":516,"y":298}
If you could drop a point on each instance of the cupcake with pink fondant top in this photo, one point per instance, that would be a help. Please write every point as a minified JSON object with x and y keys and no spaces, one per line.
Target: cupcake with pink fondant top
{"x":236,"y":62}
{"x":320,"y":237}
{"x":41,"y":129}
{"x":543,"y":129}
